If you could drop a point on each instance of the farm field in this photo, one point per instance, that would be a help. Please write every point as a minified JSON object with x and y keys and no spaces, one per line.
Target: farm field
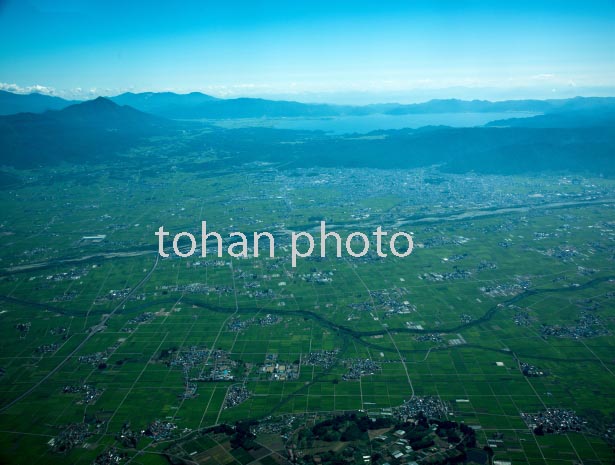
{"x":504,"y":310}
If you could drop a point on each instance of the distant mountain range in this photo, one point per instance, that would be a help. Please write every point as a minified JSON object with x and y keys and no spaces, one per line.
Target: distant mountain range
{"x":599,"y":116}
{"x":485,"y":106}
{"x":201,"y":106}
{"x":164,"y":103}
{"x":77,"y":133}
{"x":578,"y":135}
{"x":194,"y":106}
{"x":11,"y":103}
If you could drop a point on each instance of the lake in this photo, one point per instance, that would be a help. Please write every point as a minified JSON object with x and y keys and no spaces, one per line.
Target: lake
{"x":368,"y":123}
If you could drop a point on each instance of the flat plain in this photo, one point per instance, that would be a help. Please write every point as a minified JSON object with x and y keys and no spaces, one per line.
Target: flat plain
{"x":505,"y":307}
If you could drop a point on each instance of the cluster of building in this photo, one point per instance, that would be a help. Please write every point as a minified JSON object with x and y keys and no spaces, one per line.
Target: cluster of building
{"x":109,"y":457}
{"x":268,"y":320}
{"x":448,"y":276}
{"x":391,"y":301}
{"x":280,"y":371}
{"x":190,"y":357}
{"x":221,"y":370}
{"x":455,"y":258}
{"x":413,"y":325}
{"x":585,"y":271}
{"x":259,"y":293}
{"x":564,"y":254}
{"x":398,"y":446}
{"x":196,"y":288}
{"x":127,"y":437}
{"x":360,"y":367}
{"x":58,"y":331}
{"x":251,"y":285}
{"x":553,"y":420}
{"x":199,"y":364}
{"x":362,"y":306}
{"x":71,"y":436}
{"x":521,"y":317}
{"x":440,"y":241}
{"x":93,"y":359}
{"x":113,"y":295}
{"x":190,"y":390}
{"x":90,"y":392}
{"x":47,"y":348}
{"x":530,"y":370}
{"x":142,"y":318}
{"x":37,"y":251}
{"x":505,"y":290}
{"x":159,"y":430}
{"x":317,"y":277}
{"x":192,"y":288}
{"x":275,"y":425}
{"x":237,"y":324}
{"x":430,"y":406}
{"x":389,"y":298}
{"x":141,"y":296}
{"x":73,"y":275}
{"x":544,"y":235}
{"x":67,"y":296}
{"x":485,"y":265}
{"x":241,"y":274}
{"x":321,"y":358}
{"x":429,"y":337}
{"x":403,"y":308}
{"x":236,"y":394}
{"x":588,"y":325}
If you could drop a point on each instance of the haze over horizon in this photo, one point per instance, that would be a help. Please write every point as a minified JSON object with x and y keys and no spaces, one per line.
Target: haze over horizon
{"x":350,"y":52}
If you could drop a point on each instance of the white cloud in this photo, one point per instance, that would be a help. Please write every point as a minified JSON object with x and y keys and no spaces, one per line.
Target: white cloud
{"x":28,"y":89}
{"x":77,"y":93}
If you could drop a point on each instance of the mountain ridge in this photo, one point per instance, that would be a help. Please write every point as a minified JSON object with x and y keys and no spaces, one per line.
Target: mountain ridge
{"x":77,"y":133}
{"x":196,"y":105}
{"x":12,"y":103}
{"x":99,"y":129}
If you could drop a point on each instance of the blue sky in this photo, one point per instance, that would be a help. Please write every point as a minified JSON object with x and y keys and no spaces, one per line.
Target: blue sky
{"x":311,"y":51}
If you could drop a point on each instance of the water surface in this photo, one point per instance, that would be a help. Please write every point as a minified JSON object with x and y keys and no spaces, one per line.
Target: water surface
{"x":368,"y":123}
